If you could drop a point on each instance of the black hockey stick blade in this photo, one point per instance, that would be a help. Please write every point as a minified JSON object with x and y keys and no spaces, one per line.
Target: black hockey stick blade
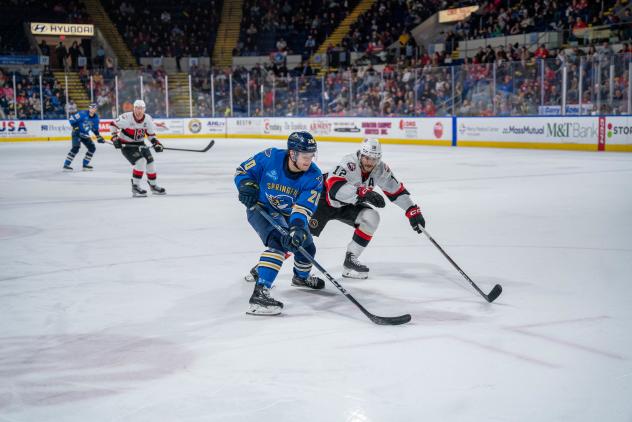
{"x":496,"y":291}
{"x":398,"y":320}
{"x":209,"y":146}
{"x":379,"y":320}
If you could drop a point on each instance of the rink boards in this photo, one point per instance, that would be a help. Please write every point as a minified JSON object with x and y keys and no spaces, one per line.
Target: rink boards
{"x":591,"y":133}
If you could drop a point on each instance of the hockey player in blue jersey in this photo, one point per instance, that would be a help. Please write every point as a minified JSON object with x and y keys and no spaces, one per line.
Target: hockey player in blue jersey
{"x":85,"y":129}
{"x":287,"y":185}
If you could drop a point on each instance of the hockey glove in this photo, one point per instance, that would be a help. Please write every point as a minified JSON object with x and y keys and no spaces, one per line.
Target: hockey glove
{"x":157,"y":145}
{"x":248,"y":193}
{"x":368,"y":195}
{"x":116,"y":142}
{"x":415,"y":218}
{"x":100,"y":139}
{"x":295,"y":238}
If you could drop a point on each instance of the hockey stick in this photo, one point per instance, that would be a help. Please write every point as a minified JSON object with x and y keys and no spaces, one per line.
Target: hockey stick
{"x":493,"y":294}
{"x":380,"y":320}
{"x":206,"y":148}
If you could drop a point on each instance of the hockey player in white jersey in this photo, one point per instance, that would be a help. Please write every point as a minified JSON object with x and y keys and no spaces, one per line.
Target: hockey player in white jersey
{"x":350,"y":197}
{"x":128,"y":135}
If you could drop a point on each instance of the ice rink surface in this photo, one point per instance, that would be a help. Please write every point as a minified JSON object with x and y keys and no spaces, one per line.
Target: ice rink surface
{"x":121,"y":309}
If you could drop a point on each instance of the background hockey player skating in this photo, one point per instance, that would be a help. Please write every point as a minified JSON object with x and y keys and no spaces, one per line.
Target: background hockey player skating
{"x":116,"y":309}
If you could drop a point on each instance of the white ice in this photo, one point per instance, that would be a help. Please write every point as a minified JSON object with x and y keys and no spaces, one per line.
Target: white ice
{"x":121,"y":309}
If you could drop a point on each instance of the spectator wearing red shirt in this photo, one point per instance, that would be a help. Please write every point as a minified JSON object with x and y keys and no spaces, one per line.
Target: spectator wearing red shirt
{"x":429,"y":109}
{"x":541,"y":52}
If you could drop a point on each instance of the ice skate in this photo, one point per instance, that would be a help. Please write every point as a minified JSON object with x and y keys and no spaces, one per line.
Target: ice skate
{"x":88,"y":168}
{"x":253,"y":275}
{"x":311,"y":282}
{"x":137,"y":191}
{"x":262,"y":304}
{"x":157,"y":190}
{"x":352,"y":268}
{"x":67,"y":168}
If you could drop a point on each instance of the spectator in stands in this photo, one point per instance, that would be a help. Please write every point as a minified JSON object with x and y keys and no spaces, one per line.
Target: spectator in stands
{"x":310,"y":45}
{"x":74,"y":53}
{"x":541,"y":52}
{"x":61,"y":54}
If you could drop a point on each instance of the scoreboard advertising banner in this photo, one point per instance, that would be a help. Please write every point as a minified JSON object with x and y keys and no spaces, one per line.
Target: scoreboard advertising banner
{"x":591,"y":133}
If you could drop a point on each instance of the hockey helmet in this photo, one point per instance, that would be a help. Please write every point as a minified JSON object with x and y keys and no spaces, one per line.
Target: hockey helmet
{"x":139,"y":103}
{"x":301,"y":142}
{"x":371,"y":148}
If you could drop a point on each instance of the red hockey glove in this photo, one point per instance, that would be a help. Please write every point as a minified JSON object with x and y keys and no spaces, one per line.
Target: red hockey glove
{"x":368,"y":195}
{"x":415,"y":218}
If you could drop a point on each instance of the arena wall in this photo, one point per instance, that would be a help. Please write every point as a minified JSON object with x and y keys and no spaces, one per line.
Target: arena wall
{"x":590,"y":133}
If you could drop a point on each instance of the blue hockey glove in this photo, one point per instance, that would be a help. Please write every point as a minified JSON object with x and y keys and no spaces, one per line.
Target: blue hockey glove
{"x":248,"y":193}
{"x":295,"y":238}
{"x":100,"y":139}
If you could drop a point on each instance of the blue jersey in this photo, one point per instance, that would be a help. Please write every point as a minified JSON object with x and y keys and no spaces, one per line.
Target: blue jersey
{"x":82,"y":122}
{"x":294,"y":195}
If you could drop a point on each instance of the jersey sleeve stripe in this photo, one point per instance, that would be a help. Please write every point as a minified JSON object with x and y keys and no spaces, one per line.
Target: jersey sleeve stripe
{"x":301,"y":210}
{"x":397,"y":192}
{"x":332,"y":180}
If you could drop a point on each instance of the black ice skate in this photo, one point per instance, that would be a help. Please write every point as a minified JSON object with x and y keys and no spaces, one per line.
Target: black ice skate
{"x":312,"y":282}
{"x":253,"y":275}
{"x":88,"y":168}
{"x":67,"y":168}
{"x":157,"y":190}
{"x":352,"y":268}
{"x":137,"y":191}
{"x":262,"y":304}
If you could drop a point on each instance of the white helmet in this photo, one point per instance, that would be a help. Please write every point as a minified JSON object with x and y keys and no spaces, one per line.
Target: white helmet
{"x":371,"y":148}
{"x":139,"y":103}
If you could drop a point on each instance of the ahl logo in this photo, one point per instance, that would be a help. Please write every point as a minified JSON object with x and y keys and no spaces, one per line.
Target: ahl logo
{"x":280,"y":202}
{"x":195,"y":126}
{"x":272,"y":174}
{"x":351,"y":166}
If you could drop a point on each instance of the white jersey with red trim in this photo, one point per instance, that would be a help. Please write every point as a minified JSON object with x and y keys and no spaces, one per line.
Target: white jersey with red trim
{"x":132,"y":131}
{"x":344,"y":180}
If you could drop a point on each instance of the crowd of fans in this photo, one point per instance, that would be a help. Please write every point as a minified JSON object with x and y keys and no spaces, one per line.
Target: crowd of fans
{"x":386,"y":22}
{"x":511,"y":81}
{"x":295,"y":27}
{"x":501,"y":82}
{"x":155,"y":28}
{"x":572,"y":18}
{"x":26,"y":99}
